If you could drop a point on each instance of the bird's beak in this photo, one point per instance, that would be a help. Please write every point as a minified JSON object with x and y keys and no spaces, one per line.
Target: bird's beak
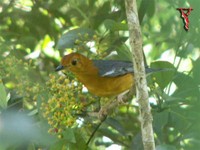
{"x":60,"y":67}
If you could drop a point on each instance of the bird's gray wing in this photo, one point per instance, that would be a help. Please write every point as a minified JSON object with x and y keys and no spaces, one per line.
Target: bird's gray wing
{"x":113,"y":68}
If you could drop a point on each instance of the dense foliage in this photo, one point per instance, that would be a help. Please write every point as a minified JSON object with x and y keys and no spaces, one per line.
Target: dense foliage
{"x":40,"y":108}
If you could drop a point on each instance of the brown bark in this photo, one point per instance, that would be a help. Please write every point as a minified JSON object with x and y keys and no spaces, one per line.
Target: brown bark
{"x":139,"y":75}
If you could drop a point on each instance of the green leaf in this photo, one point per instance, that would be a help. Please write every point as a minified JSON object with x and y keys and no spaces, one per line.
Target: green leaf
{"x":69,"y":135}
{"x":163,"y":77}
{"x":116,"y":125}
{"x":137,"y":142}
{"x":165,"y":147}
{"x":124,"y":53}
{"x":187,"y":88}
{"x":3,"y":96}
{"x":196,"y":70}
{"x":33,"y":112}
{"x":80,"y":141}
{"x":109,"y":24}
{"x":111,"y":134}
{"x":115,"y":26}
{"x":58,"y":145}
{"x":68,"y":39}
{"x":118,"y":26}
{"x":143,"y":9}
{"x":146,"y":7}
{"x":160,"y":120}
{"x":183,"y":53}
{"x":151,"y":8}
{"x":68,"y":140}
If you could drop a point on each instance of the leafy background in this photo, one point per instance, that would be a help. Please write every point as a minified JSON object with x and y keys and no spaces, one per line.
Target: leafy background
{"x":35,"y":34}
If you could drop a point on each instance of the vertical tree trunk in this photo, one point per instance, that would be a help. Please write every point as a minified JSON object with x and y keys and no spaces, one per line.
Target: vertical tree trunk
{"x":140,"y":76}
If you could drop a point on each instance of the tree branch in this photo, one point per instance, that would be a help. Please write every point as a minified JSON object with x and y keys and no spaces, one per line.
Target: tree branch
{"x":139,"y":75}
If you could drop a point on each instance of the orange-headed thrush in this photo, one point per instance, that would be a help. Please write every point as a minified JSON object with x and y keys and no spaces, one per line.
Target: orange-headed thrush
{"x":104,"y":78}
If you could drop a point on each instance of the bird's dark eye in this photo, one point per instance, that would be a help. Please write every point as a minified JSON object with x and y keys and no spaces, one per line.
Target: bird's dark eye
{"x":74,"y":62}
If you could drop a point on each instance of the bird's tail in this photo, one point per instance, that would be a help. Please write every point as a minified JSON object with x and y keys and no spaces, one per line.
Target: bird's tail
{"x":152,"y":70}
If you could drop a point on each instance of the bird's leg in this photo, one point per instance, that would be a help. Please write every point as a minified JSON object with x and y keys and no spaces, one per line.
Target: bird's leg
{"x":111,"y":104}
{"x":120,"y":97}
{"x":106,"y":108}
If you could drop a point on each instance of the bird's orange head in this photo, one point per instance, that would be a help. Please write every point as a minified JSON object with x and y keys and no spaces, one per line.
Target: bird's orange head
{"x":75,"y":62}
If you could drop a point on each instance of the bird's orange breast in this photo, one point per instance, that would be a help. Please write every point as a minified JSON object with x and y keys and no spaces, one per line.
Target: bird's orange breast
{"x":106,"y":86}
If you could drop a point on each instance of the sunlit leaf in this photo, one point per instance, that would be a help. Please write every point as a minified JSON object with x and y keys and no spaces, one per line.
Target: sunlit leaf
{"x":114,"y":26}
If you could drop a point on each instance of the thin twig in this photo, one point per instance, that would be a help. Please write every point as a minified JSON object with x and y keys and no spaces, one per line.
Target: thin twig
{"x":95,"y":130}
